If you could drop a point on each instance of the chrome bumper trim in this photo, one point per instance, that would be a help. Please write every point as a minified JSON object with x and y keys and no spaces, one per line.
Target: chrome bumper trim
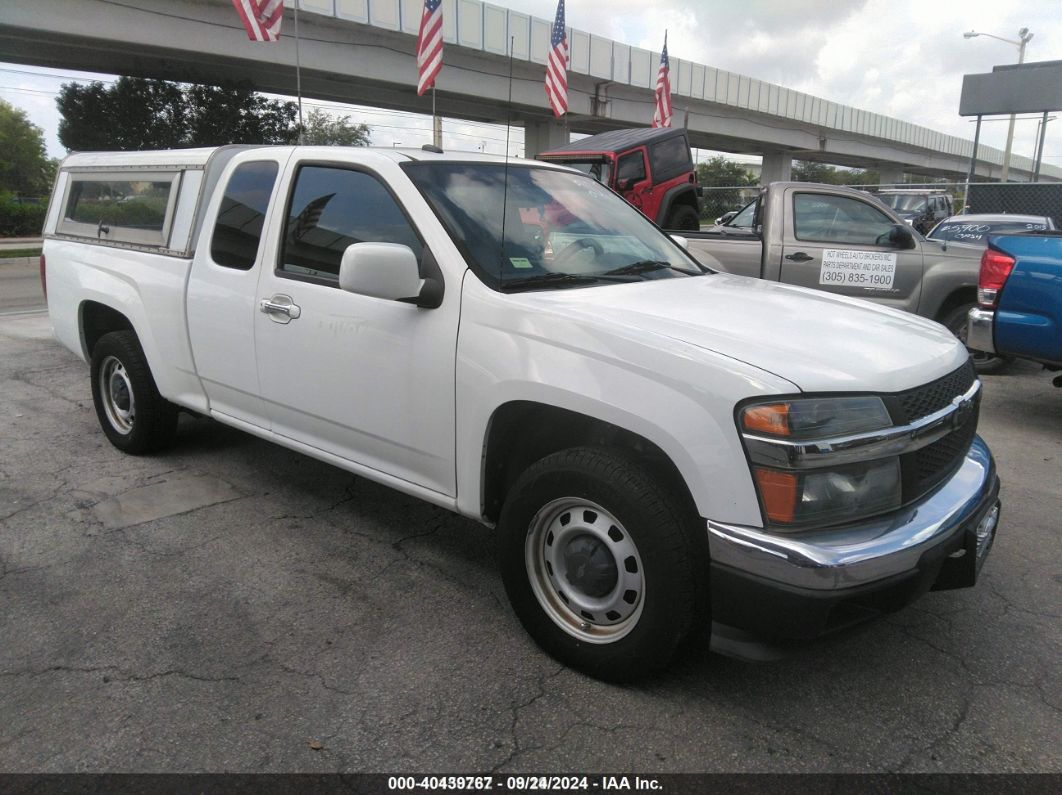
{"x":979,"y":328}
{"x":844,"y":557}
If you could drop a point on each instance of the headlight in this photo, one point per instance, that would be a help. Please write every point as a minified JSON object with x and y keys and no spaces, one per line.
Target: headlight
{"x":816,"y":418}
{"x":801,"y":453}
{"x":828,"y":496}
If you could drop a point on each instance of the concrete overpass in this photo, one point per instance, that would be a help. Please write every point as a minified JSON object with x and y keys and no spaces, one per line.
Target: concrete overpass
{"x":361,"y":51}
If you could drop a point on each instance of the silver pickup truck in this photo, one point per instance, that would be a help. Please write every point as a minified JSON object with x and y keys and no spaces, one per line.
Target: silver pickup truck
{"x":845,"y":241}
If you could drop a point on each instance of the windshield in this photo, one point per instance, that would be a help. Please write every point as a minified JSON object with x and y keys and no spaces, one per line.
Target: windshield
{"x":904,"y":202}
{"x":974,"y":232}
{"x":560,"y":229}
{"x":601,"y":170}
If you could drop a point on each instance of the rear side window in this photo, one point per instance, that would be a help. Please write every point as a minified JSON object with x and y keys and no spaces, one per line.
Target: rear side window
{"x":123,"y":206}
{"x":238,"y":228}
{"x":332,"y":208}
{"x":670,"y":158}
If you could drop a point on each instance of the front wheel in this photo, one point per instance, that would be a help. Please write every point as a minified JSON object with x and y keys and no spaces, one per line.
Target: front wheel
{"x":134,"y":417}
{"x":598,"y":563}
{"x":985,"y":363}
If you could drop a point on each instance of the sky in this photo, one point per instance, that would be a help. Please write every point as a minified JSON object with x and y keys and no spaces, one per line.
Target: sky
{"x":902,"y":58}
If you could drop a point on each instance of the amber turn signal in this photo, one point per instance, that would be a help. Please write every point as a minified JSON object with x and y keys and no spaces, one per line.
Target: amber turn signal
{"x":778,"y":490}
{"x":771,"y":418}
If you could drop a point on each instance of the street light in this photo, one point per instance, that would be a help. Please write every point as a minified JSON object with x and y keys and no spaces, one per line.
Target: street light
{"x":1024,"y":36}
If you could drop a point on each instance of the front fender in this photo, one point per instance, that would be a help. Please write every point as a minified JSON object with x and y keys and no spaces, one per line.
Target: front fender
{"x":678,"y":397}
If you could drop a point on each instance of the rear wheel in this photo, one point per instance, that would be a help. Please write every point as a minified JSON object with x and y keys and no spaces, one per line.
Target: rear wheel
{"x":598,"y":563}
{"x":985,"y":363}
{"x":134,"y":417}
{"x":683,"y":217}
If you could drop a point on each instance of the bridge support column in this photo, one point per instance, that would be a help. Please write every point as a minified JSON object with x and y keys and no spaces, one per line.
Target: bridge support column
{"x":541,"y":136}
{"x":890,"y":174}
{"x":777,"y":167}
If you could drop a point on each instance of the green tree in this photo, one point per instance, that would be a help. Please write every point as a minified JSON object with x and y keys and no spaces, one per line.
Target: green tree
{"x":234,"y":114}
{"x":722,"y":180}
{"x":324,"y":129}
{"x":135,"y":113}
{"x":25,"y":169}
{"x":808,"y":171}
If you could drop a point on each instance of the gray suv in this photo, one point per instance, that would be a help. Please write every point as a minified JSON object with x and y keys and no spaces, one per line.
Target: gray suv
{"x":922,"y":209}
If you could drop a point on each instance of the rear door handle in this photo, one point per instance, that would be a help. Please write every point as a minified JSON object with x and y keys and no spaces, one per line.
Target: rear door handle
{"x":799,"y":256}
{"x":280,"y":308}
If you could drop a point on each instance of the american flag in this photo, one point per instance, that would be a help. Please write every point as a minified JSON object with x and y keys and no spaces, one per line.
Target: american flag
{"x":662,"y":114}
{"x":261,"y":18}
{"x":429,"y":45}
{"x":310,"y":216}
{"x":557,"y":65}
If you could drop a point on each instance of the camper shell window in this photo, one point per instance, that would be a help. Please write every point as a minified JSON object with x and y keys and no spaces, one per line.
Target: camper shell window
{"x":121,"y":206}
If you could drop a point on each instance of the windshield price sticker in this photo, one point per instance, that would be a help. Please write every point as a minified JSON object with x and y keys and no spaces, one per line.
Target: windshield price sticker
{"x":846,"y":268}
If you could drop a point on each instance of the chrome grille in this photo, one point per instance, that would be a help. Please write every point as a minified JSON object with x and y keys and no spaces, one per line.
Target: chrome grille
{"x":925,"y":469}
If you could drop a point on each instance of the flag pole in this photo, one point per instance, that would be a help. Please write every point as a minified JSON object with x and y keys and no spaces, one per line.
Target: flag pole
{"x":436,"y":125}
{"x":298,"y":70}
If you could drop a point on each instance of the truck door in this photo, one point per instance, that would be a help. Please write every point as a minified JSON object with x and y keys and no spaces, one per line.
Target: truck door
{"x":840,"y":243}
{"x":633,"y":183}
{"x":366,"y":379}
{"x":221,"y":289}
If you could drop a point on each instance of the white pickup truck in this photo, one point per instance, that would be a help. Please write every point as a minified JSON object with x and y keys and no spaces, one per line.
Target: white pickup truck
{"x":663,"y":449}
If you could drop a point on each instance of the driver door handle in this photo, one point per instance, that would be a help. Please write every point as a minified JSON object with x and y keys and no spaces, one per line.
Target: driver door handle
{"x":280,"y":308}
{"x":799,"y":256}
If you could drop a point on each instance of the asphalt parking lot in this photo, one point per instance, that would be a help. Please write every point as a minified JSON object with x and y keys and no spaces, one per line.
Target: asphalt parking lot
{"x":231,"y":605}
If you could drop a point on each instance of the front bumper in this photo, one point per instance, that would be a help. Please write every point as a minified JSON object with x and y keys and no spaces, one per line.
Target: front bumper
{"x":979,"y":330}
{"x":803,"y":585}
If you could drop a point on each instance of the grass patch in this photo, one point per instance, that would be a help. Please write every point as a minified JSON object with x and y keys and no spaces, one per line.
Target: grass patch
{"x":20,"y":252}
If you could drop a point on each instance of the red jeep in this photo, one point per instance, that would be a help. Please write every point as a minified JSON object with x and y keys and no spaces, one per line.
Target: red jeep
{"x":650,"y":168}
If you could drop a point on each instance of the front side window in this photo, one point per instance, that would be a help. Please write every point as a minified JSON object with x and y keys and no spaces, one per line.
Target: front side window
{"x":839,"y":219}
{"x":332,"y":208}
{"x":523,"y":227}
{"x":631,"y":167}
{"x":238,"y":228}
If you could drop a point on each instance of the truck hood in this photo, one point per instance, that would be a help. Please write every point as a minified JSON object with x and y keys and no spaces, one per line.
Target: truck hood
{"x":817,"y":341}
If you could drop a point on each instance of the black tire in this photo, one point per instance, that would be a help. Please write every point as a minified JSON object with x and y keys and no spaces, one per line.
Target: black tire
{"x":604,"y":494}
{"x":134,"y":417}
{"x":683,"y":217}
{"x":985,"y":363}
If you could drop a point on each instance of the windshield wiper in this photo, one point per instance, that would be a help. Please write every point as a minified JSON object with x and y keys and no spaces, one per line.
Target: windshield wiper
{"x":645,"y":266}
{"x":548,"y":280}
{"x":642,"y":266}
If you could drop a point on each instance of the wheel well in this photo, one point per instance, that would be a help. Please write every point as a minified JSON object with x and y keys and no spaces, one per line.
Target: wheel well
{"x":688,"y":198}
{"x":964,"y":295}
{"x":523,"y":432}
{"x":99,"y":319}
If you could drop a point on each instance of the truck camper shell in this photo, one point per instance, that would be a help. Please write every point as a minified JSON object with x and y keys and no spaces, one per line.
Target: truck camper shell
{"x":150,"y":201}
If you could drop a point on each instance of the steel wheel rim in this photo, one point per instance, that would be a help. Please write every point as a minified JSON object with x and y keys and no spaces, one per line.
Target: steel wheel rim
{"x":116,"y":393}
{"x":557,"y":537}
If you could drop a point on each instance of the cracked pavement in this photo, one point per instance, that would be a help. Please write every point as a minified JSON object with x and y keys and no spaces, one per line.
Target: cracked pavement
{"x":234,"y":606}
